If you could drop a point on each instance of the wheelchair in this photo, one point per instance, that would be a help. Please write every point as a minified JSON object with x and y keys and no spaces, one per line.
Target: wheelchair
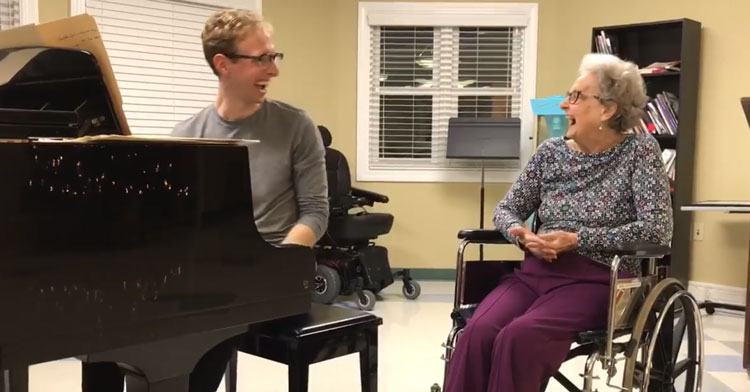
{"x":348,"y":261}
{"x":650,"y":318}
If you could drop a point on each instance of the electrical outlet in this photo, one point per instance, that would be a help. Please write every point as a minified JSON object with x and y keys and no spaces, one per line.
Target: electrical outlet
{"x":698,"y":231}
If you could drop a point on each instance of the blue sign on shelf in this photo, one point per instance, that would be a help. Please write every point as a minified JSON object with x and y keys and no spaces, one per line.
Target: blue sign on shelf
{"x":547,"y":106}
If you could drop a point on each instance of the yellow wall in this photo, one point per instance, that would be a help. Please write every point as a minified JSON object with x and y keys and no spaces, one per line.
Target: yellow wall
{"x":50,"y":10}
{"x":319,"y":38}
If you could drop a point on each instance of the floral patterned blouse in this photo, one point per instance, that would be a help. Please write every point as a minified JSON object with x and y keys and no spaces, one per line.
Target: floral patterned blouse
{"x":617,"y":196}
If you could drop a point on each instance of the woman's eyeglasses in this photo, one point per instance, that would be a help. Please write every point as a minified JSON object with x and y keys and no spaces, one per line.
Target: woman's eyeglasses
{"x":574,"y":96}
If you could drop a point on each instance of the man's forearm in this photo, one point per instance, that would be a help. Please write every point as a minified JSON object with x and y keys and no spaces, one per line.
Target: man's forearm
{"x":300,"y":235}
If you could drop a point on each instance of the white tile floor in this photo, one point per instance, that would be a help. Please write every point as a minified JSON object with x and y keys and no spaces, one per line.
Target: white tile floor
{"x":409,"y":361}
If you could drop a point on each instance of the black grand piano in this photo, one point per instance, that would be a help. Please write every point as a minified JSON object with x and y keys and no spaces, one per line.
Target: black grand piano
{"x":138,"y":251}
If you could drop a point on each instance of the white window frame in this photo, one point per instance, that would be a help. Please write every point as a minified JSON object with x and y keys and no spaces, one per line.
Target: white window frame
{"x":444,"y":14}
{"x":29,"y":12}
{"x":78,"y":7}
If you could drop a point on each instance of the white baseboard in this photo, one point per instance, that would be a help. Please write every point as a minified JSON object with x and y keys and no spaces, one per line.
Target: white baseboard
{"x":717,"y":293}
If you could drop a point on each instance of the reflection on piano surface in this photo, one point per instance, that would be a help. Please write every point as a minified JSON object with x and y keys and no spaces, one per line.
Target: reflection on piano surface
{"x":122,"y":249}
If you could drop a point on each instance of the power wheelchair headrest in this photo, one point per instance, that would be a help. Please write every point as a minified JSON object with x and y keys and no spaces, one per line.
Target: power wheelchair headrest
{"x":325,"y":134}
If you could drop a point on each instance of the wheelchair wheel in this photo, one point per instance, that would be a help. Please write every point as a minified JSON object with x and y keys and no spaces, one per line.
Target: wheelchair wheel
{"x":367,"y":300}
{"x":665,"y":352}
{"x":327,"y":284}
{"x":411,"y":289}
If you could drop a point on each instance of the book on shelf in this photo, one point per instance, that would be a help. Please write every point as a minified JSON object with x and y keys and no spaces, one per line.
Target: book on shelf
{"x":660,"y":115}
{"x":603,"y":44}
{"x":669,"y":156}
{"x":660,"y":67}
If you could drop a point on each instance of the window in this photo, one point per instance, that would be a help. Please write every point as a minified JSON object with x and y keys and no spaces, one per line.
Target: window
{"x":17,"y":12}
{"x":421,"y":64}
{"x":10,"y":14}
{"x":157,"y":56}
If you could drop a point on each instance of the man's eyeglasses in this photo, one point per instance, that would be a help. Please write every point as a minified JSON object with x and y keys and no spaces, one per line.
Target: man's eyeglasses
{"x":575,"y":95}
{"x":263,"y":59}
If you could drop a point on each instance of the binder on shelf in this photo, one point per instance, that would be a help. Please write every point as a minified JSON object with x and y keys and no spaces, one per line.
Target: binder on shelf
{"x":659,"y":67}
{"x":661,"y":115}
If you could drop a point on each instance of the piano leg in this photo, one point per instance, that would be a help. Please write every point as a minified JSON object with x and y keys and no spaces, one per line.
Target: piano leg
{"x":138,"y":383}
{"x":230,"y":384}
{"x":368,"y":362}
{"x":101,"y":377}
{"x":165,"y":365}
{"x":15,"y":379}
{"x":298,"y":375}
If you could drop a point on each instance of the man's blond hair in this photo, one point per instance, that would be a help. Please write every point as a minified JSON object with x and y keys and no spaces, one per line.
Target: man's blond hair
{"x":225,"y":28}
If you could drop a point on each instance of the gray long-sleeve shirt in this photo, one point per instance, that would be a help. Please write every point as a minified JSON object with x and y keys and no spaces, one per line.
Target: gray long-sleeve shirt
{"x":287,"y":167}
{"x":617,"y":196}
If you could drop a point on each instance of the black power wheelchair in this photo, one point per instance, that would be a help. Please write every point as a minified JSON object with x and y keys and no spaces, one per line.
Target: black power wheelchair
{"x":348,"y":260}
{"x":654,"y":327}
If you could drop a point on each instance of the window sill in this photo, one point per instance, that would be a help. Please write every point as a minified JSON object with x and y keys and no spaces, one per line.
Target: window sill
{"x":437,"y":175}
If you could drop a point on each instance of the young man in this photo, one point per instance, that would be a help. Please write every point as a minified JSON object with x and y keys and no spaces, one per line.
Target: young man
{"x":287,"y":167}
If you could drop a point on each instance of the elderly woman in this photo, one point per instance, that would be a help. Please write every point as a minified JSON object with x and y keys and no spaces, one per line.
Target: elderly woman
{"x":594,"y":189}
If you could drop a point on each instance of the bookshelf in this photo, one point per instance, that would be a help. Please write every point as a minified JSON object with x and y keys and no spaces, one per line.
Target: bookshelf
{"x":664,"y":41}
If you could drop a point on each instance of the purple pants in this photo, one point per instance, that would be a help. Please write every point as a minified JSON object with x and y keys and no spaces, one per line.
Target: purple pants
{"x":522,"y":331}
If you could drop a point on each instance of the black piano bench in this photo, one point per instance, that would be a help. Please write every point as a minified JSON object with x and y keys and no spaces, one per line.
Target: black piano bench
{"x":326,"y":332}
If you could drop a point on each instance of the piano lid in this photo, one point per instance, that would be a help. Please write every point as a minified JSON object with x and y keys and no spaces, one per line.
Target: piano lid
{"x":147,"y":139}
{"x":53,"y":92}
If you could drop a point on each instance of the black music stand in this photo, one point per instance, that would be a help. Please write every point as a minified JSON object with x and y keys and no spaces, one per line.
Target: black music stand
{"x":483,"y":139}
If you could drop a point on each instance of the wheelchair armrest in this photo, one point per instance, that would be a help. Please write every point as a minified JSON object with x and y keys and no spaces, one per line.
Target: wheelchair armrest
{"x":363,"y":201}
{"x":483,"y":235}
{"x":348,"y":202}
{"x":642,"y":250}
{"x":369,"y":195}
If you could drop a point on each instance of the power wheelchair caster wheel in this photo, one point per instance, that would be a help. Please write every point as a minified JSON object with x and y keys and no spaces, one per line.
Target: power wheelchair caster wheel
{"x":411,"y":289}
{"x":366,"y":300}
{"x":327,"y":284}
{"x":435,"y":388}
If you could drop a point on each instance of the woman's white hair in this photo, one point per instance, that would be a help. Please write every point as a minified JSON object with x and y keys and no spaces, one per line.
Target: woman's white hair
{"x":620,"y":83}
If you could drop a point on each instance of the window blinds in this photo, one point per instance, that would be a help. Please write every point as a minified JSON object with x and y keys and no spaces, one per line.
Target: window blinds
{"x":421,"y":76}
{"x":10,"y":14}
{"x":157,"y":57}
